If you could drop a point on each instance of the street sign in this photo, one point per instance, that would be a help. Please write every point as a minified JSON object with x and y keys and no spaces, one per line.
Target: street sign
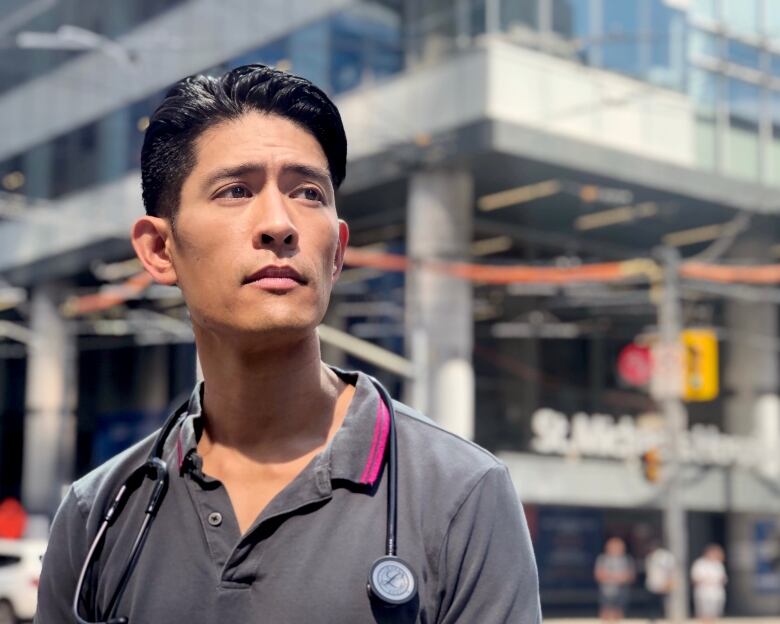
{"x":700,"y":364}
{"x":668,"y":380}
{"x":635,"y":364}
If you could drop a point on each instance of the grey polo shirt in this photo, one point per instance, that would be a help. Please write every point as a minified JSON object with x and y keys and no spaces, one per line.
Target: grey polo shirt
{"x":307,"y":556}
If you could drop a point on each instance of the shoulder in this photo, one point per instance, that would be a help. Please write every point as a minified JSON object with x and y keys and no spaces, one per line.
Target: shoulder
{"x":436,"y":445}
{"x":96,"y":486}
{"x":446,"y":467}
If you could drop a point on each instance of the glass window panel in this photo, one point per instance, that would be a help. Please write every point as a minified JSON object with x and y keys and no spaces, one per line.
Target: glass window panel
{"x":773,"y":157}
{"x":741,"y":153}
{"x":571,"y":18}
{"x":621,"y":36}
{"x":703,"y":87}
{"x":704,"y":8}
{"x":774,"y":112}
{"x":667,"y":45}
{"x":744,"y":101}
{"x":775,"y":64}
{"x":365,"y":44}
{"x":743,"y":54}
{"x":519,"y":15}
{"x":740,"y":15}
{"x":703,"y":43}
{"x":741,"y":149}
{"x":772,"y":20}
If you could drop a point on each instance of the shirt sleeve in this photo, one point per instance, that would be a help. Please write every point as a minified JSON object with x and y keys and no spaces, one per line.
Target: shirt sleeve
{"x":487,"y":566}
{"x":62,"y":563}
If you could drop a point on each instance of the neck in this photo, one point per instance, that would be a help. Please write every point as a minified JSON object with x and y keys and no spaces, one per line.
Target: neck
{"x":267,"y":405}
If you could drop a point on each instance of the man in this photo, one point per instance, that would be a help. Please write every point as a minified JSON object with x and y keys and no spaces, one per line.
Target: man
{"x":275,"y":507}
{"x":708,"y":575}
{"x":614,"y":573}
{"x":660,"y":576}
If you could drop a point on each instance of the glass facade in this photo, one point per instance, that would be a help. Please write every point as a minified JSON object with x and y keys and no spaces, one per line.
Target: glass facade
{"x":338,"y":53}
{"x":109,"y":18}
{"x":724,"y":53}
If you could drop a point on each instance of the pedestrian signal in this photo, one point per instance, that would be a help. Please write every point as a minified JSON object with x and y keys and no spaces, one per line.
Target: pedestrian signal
{"x":700,"y":364}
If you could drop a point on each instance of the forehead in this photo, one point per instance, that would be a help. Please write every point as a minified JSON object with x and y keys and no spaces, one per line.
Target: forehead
{"x":257,"y":137}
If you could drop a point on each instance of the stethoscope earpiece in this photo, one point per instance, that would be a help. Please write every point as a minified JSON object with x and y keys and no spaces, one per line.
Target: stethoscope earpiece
{"x":392,"y":581}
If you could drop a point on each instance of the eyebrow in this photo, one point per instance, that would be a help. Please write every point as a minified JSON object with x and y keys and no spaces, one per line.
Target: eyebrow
{"x":317,"y":174}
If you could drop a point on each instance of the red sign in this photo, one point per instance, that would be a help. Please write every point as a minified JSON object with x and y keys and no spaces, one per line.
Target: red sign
{"x":13,"y":519}
{"x":635,"y":364}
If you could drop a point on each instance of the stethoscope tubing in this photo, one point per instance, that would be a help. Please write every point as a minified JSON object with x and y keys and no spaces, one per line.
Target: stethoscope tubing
{"x":156,"y":464}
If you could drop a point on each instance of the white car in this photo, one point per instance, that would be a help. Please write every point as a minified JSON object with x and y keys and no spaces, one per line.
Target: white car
{"x":20,"y":569}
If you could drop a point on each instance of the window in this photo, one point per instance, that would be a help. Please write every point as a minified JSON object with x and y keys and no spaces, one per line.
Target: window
{"x":744,"y":100}
{"x":705,"y":9}
{"x":571,"y":20}
{"x":364,"y":45}
{"x":772,"y":21}
{"x":703,"y":87}
{"x":744,"y":54}
{"x":621,"y":36}
{"x":703,"y":44}
{"x":740,"y":16}
{"x":666,"y":41}
{"x":519,"y":16}
{"x":773,"y":156}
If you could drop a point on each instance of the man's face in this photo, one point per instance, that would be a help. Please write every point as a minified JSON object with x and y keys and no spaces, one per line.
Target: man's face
{"x":616,"y":547}
{"x":257,"y":244}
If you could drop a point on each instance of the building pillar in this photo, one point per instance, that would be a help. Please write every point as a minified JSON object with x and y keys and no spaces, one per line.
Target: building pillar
{"x":439,"y":320}
{"x":751,"y":381}
{"x":50,"y":422}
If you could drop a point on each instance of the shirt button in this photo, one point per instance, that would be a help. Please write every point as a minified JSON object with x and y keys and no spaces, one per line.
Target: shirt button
{"x":215,"y":519}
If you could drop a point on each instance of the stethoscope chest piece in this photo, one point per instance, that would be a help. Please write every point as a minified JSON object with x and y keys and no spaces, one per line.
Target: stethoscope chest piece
{"x":392,"y":580}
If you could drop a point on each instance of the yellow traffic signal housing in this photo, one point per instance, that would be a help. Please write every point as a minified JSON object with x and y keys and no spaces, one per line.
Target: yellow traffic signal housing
{"x":700,"y":365}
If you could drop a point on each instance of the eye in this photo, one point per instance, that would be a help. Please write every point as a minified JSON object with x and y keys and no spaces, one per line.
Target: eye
{"x":237,"y":191}
{"x":310,"y":193}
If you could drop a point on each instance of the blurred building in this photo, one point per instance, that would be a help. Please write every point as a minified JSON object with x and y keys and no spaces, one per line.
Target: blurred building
{"x":537,"y":132}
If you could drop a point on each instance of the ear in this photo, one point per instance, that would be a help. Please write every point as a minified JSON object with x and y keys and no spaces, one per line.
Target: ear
{"x":152,"y":237}
{"x":338,"y":261}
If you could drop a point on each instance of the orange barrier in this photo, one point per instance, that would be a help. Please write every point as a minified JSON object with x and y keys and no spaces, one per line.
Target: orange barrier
{"x":483,"y":273}
{"x":104,"y":300}
{"x":761,"y":274}
{"x":497,"y":274}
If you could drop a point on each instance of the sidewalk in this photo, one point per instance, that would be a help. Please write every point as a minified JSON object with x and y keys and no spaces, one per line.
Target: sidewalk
{"x":728,"y":620}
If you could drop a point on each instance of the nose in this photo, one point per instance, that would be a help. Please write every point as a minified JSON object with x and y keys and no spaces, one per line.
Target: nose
{"x":274,"y":227}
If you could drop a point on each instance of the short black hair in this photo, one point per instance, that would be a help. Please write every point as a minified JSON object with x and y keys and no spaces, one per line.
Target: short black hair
{"x":198,"y":102}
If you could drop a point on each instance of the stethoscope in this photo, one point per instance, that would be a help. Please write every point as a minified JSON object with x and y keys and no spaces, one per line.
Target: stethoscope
{"x":390,"y":579}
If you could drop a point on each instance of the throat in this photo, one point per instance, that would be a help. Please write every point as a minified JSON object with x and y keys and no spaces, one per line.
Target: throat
{"x":251,"y":491}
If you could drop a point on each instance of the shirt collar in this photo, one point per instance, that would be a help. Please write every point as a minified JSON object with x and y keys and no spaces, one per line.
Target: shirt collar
{"x":354,"y":454}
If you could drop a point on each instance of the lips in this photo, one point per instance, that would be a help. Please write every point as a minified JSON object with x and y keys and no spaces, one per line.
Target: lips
{"x":276,"y":277}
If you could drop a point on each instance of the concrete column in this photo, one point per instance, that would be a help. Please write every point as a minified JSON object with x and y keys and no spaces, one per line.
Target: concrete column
{"x":50,"y":423}
{"x":439,"y":323}
{"x":751,"y":379}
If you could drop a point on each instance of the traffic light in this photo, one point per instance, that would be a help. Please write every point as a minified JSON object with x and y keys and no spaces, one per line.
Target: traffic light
{"x":651,"y":465}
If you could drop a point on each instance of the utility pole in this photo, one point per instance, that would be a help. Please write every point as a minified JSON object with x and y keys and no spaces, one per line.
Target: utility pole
{"x":667,"y":391}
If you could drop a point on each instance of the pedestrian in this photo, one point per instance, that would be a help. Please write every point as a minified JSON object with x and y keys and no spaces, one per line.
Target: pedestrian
{"x":614,"y":572}
{"x":709,"y":579}
{"x":270,"y":495}
{"x":660,"y":576}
